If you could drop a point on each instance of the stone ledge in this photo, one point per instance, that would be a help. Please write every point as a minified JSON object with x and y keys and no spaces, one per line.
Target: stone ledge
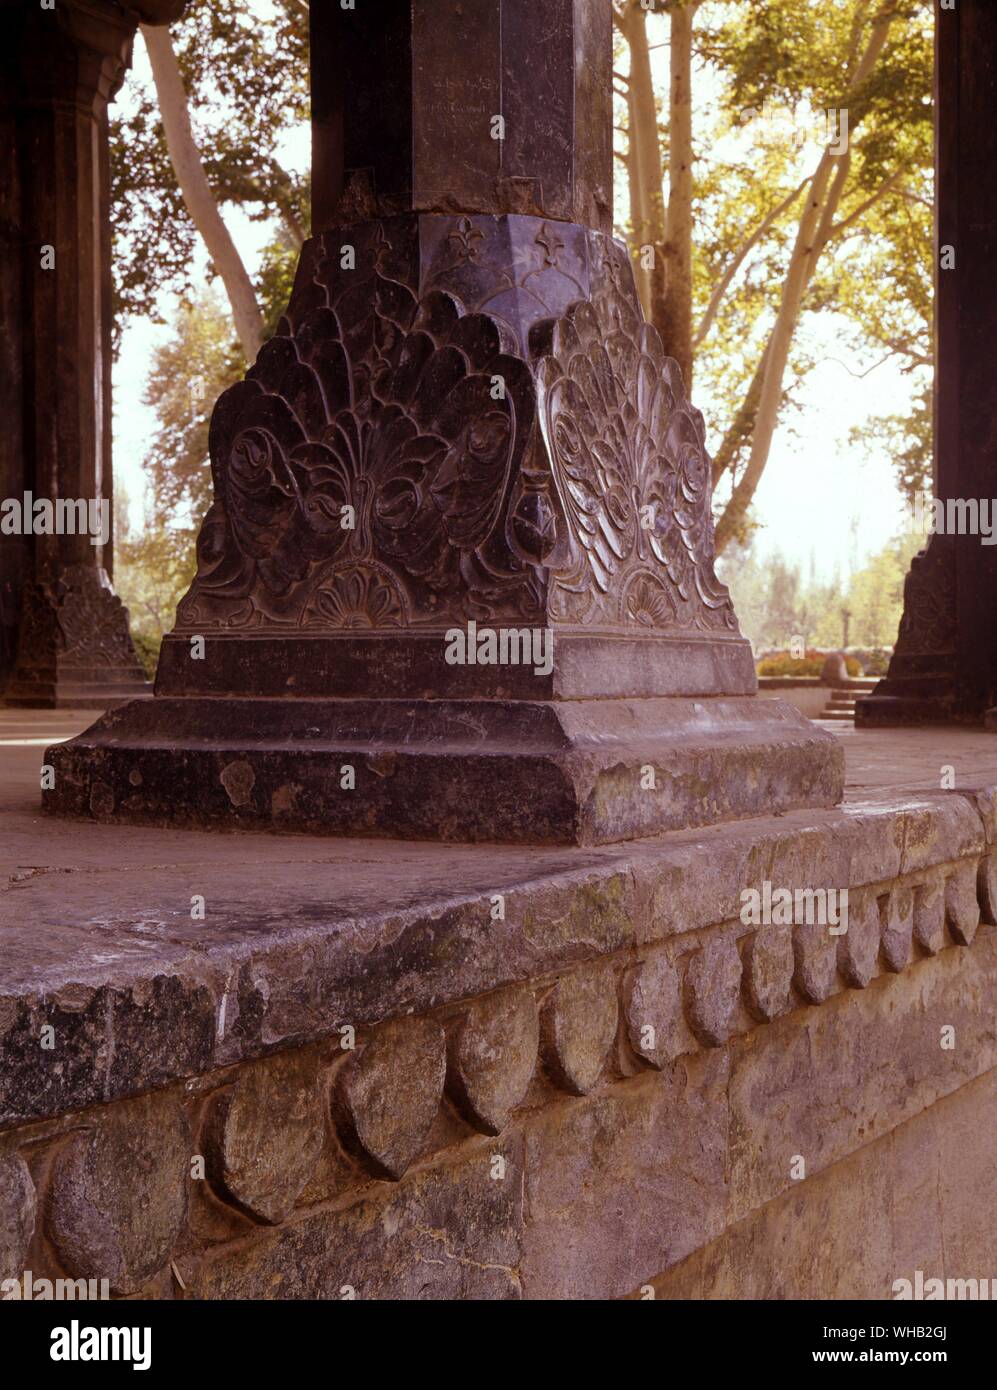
{"x":297,"y":1146}
{"x":141,"y":995}
{"x":619,"y":1017}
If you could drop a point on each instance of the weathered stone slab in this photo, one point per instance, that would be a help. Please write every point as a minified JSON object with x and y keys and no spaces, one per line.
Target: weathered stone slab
{"x":356,"y":934}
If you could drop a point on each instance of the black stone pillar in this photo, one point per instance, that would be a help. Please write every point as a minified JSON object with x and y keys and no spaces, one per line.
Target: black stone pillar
{"x":63,"y":633}
{"x":457,"y":580}
{"x":944,"y":669}
{"x":407,"y":100}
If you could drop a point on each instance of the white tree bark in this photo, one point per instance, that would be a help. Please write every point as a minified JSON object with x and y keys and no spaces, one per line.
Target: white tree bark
{"x":186,"y":160}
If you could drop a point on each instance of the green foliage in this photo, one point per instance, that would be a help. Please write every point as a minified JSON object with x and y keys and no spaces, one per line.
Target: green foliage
{"x":775,"y":604}
{"x":906,"y":440}
{"x":792,"y":59}
{"x":810,"y":664}
{"x":189,"y":372}
{"x":247,"y":84}
{"x":876,"y":592}
{"x":873,"y":660}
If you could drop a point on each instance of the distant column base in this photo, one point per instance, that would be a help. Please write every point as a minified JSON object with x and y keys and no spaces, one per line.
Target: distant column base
{"x":75,"y":651}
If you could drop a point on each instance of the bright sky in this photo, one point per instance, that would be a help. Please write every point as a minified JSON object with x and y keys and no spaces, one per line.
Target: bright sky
{"x":820,"y":501}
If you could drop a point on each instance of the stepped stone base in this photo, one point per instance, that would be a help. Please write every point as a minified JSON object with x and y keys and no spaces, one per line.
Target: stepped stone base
{"x":568,"y":772}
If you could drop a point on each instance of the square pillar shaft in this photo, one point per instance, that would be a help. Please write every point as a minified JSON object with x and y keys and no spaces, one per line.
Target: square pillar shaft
{"x":60,"y":69}
{"x":488,"y":106}
{"x":944,"y":669}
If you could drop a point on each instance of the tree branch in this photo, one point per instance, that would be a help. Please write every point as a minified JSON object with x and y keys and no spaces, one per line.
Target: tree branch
{"x":838,"y":227}
{"x":706,"y":322}
{"x":825,"y":187}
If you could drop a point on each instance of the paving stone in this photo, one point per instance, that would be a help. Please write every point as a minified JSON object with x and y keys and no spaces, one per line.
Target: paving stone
{"x":17,"y":1215}
{"x":929,"y":914}
{"x":897,"y":926}
{"x":712,"y":989}
{"x":266,"y":1132}
{"x":815,"y":952}
{"x":858,"y":948}
{"x":987,"y":887}
{"x":962,"y":908}
{"x":768,"y":972}
{"x":119,"y":1191}
{"x":656,"y":1025}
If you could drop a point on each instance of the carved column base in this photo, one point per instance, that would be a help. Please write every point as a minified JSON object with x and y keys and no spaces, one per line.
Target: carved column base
{"x":462,"y":427}
{"x":545,"y":772}
{"x":925,"y":683}
{"x":75,"y":651}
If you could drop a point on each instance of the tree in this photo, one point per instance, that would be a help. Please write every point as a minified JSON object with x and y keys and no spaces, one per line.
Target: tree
{"x":779,"y":238}
{"x":156,"y":564}
{"x":774,"y":604}
{"x":229,"y":86}
{"x":197,"y":193}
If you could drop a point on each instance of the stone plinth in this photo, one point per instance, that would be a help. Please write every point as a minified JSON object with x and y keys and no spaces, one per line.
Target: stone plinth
{"x":462,"y":433}
{"x":457,"y":580}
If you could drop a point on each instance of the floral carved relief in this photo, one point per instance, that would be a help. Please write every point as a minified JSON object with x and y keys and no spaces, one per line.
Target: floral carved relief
{"x":395,"y":460}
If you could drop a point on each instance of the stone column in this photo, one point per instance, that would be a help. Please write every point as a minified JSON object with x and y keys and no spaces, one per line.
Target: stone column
{"x":457,"y":581}
{"x":60,"y":68}
{"x":944,"y":668}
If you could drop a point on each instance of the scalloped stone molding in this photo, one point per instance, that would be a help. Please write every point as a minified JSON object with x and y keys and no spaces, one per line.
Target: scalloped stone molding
{"x":283,"y":1134}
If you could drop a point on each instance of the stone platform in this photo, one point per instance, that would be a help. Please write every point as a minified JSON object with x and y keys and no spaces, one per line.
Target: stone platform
{"x":414,"y":1070}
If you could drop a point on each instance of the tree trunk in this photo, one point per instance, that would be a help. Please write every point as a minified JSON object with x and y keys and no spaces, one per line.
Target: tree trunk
{"x":649,"y":217}
{"x":638,"y":207}
{"x":676,"y":309}
{"x":823,"y":198}
{"x":196,"y":190}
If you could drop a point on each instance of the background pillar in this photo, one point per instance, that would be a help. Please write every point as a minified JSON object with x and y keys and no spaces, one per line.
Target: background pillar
{"x":59,"y":69}
{"x":944,"y":669}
